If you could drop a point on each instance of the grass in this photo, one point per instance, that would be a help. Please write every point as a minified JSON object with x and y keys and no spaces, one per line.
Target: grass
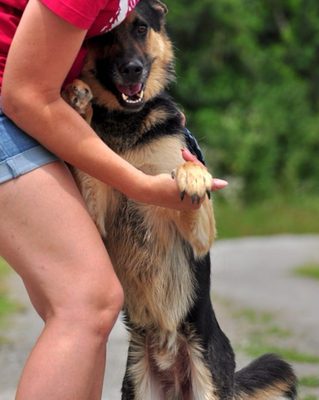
{"x":7,"y":306}
{"x":257,"y":348}
{"x":253,"y":316}
{"x":308,"y":271}
{"x":270,"y":217}
{"x":278,"y":332}
{"x":263,"y":335}
{"x":309,"y":381}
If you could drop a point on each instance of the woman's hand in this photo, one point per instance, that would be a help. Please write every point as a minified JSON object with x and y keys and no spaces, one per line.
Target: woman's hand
{"x":162,"y":190}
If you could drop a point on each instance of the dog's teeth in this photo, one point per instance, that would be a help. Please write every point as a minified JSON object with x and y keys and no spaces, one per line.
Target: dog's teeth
{"x":128,"y":100}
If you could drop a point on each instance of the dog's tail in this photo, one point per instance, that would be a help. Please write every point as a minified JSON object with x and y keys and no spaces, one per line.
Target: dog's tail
{"x":266,"y":378}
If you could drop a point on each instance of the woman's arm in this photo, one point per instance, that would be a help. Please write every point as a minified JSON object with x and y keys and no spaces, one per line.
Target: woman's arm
{"x":41,"y":54}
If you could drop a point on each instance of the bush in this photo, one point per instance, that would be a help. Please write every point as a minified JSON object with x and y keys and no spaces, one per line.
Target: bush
{"x":248,"y":79}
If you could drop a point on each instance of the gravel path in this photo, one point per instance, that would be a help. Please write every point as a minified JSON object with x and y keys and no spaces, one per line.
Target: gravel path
{"x":247,"y":274}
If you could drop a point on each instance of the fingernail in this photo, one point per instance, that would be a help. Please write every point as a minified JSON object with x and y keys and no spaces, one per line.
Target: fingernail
{"x":219,"y":184}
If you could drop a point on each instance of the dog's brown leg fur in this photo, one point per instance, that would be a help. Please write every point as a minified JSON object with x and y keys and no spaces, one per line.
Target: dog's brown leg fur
{"x":198,"y":226}
{"x":78,"y":95}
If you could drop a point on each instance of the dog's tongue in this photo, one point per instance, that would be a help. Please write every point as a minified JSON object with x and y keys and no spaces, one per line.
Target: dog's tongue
{"x":129,"y":90}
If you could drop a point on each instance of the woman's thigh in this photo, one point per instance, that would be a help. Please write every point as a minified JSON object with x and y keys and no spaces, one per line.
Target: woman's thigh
{"x":48,"y":237}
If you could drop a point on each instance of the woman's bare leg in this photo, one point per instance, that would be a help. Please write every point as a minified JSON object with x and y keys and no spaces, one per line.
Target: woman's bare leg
{"x":97,"y":386}
{"x":48,"y":237}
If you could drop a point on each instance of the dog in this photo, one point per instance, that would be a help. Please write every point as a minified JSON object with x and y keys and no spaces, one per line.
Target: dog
{"x":177,"y":350}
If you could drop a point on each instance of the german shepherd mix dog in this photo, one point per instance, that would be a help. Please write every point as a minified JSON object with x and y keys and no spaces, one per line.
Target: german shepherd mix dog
{"x":177,"y":349}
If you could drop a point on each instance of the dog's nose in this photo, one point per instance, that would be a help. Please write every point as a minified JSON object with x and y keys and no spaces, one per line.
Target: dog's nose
{"x":131,"y":70}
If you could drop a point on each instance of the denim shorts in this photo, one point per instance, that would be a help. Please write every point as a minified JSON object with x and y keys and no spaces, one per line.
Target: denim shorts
{"x":19,"y":152}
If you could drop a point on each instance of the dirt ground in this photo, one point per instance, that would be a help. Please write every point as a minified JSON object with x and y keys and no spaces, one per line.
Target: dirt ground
{"x":256,"y":297}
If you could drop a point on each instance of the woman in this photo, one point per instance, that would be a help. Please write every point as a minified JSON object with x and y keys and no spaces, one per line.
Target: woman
{"x":46,"y":233}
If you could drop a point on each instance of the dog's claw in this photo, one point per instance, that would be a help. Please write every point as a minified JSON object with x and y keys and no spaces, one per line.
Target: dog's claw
{"x":193,"y":180}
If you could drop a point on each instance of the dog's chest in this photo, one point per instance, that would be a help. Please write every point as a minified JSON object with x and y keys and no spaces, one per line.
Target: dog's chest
{"x":120,"y":131}
{"x":124,"y":132}
{"x":120,"y":138}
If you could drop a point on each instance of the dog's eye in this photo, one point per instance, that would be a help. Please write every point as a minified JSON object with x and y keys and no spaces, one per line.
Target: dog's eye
{"x":142,"y":29}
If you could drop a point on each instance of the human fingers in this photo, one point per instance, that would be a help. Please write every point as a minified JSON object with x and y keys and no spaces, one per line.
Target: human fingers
{"x":166,"y":193}
{"x":183,"y":118}
{"x":188,"y":156}
{"x":218,"y":184}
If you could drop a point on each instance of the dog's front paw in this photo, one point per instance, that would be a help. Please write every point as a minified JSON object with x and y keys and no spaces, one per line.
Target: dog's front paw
{"x":193,"y":179}
{"x":78,"y":95}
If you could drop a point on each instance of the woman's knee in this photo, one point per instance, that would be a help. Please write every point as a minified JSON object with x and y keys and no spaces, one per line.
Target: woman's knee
{"x":111,"y":303}
{"x":98,"y":311}
{"x":89,"y":309}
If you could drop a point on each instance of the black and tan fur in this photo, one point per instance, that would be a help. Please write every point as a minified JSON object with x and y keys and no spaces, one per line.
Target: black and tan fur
{"x":177,"y":349}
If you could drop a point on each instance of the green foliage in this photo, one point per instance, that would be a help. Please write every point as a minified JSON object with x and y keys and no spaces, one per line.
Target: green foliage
{"x":248,"y":80}
{"x":263,"y":335}
{"x":253,"y":316}
{"x":278,"y":215}
{"x":4,"y":269}
{"x":256,"y":349}
{"x":309,"y":381}
{"x":308,"y":271}
{"x":310,"y":397}
{"x":7,"y":306}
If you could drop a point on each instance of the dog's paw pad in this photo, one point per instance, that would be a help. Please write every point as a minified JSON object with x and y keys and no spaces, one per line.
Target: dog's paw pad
{"x":192,"y":179}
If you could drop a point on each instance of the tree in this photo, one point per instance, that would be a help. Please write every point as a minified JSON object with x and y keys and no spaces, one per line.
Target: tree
{"x":248,"y":79}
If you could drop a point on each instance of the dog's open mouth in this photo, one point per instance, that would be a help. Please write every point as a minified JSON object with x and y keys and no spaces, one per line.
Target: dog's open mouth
{"x":131,"y":94}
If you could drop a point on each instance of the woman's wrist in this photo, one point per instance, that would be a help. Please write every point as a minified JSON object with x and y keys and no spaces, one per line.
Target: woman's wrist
{"x":151,"y":189}
{"x":139,"y":187}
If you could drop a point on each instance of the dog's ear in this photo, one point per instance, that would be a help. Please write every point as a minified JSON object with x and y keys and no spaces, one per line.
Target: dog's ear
{"x":158,"y":5}
{"x":154,"y":11}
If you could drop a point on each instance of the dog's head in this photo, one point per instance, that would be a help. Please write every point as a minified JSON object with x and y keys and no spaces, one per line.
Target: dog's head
{"x":133,"y":63}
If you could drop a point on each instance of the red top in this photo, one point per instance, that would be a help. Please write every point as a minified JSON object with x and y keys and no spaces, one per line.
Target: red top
{"x":97,"y":16}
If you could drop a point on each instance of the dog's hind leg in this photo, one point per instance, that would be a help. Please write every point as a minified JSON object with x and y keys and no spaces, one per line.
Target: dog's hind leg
{"x":128,"y":392}
{"x":139,"y":382}
{"x":211,"y":351}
